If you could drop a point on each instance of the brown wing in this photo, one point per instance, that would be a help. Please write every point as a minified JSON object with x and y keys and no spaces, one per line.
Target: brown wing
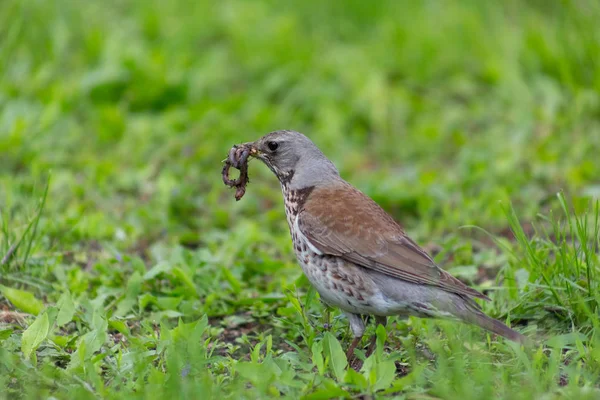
{"x":344,"y":222}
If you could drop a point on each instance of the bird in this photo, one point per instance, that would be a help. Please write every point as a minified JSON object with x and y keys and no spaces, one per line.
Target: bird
{"x":357,"y":256}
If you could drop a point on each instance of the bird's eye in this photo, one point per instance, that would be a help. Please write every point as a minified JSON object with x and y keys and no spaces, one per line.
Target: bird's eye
{"x":272,"y":146}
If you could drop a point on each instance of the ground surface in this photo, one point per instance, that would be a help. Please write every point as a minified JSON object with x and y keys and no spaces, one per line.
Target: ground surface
{"x":141,"y":277}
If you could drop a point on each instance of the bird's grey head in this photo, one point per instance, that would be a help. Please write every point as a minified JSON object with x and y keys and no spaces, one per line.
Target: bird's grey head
{"x":295,"y":159}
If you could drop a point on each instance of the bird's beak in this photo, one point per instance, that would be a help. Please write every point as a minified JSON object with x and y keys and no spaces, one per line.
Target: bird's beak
{"x":254,"y":152}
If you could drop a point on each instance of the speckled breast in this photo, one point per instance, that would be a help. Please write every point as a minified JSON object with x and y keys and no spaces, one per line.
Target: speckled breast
{"x":340,"y":283}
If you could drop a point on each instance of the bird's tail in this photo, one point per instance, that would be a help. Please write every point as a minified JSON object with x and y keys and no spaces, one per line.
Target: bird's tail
{"x":478,"y":318}
{"x":470,"y":312}
{"x":473,"y":315}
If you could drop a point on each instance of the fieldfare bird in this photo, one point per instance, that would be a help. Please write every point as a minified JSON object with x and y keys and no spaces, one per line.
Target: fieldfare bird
{"x":356,"y":255}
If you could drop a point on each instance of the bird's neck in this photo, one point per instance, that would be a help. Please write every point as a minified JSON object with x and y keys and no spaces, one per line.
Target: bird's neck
{"x":310,"y":173}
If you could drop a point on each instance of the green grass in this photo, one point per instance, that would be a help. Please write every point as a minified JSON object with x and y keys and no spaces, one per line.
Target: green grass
{"x":133,"y":273}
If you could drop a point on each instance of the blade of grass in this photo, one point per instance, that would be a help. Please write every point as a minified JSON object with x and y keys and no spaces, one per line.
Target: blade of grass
{"x":534,"y":262}
{"x":32,"y":224}
{"x":36,"y":220}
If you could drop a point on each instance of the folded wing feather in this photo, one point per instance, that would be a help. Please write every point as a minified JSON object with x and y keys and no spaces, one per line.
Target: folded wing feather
{"x":343,"y":221}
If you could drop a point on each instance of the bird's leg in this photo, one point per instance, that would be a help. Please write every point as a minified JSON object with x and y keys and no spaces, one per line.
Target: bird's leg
{"x":350,"y":352}
{"x":358,"y":328}
{"x":379,"y":320}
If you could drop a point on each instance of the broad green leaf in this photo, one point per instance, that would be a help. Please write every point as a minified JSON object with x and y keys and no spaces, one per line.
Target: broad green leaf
{"x":145,"y":300}
{"x":317,"y":357}
{"x":80,"y":355}
{"x":385,"y":373}
{"x":66,"y":309}
{"x":35,"y":335}
{"x":310,"y":296}
{"x":169,"y":314}
{"x":119,"y":326}
{"x":99,"y":320}
{"x":381,"y":335}
{"x":91,"y":342}
{"x":236,"y":286}
{"x":8,"y":360}
{"x":22,"y":300}
{"x":328,"y":390}
{"x":199,"y":328}
{"x":337,"y":357}
{"x":271,"y":366}
{"x":134,"y":287}
{"x":61,"y":341}
{"x":269,"y":345}
{"x":96,"y":338}
{"x":188,"y":283}
{"x":168,"y":303}
{"x":252,"y":371}
{"x":125,"y":306}
{"x":5,"y":334}
{"x":191,"y":332}
{"x":402,"y":383}
{"x":295,"y":303}
{"x":52,"y":312}
{"x":255,"y":355}
{"x":158,"y":269}
{"x":354,"y":378}
{"x":561,"y":341}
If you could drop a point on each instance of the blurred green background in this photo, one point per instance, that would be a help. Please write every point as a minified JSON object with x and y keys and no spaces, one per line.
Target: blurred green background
{"x":444,"y":112}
